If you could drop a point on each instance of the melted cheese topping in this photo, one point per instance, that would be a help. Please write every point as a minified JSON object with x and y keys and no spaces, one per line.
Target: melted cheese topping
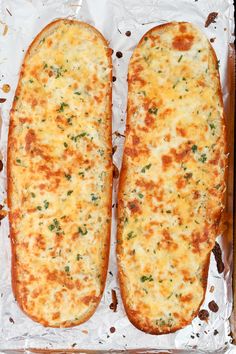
{"x":60,"y":175}
{"x":172,"y":180}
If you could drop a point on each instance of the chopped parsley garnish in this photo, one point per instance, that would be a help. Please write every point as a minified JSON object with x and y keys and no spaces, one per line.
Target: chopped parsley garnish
{"x":66,"y":145}
{"x":145,"y":38}
{"x":67,"y":269}
{"x":81,"y":174}
{"x":175,"y":84}
{"x":33,"y":195}
{"x":101,"y":152}
{"x":39,"y":207}
{"x":55,"y":226}
{"x":68,"y":177}
{"x":153,"y":110}
{"x":146,"y":278}
{"x":62,"y":106}
{"x":82,"y":135}
{"x":31,"y":81}
{"x":142,"y":92}
{"x":75,"y":137}
{"x":46,"y":204}
{"x":18,"y":160}
{"x":194,"y":148}
{"x":131,"y":235}
{"x":78,"y":257}
{"x":188,"y":175}
{"x":69,"y":120}
{"x":180,"y":58}
{"x":140,"y":195}
{"x":58,"y":71}
{"x":77,"y":93}
{"x":94,"y":197}
{"x":83,"y":231}
{"x":213,"y":127}
{"x":69,"y":192}
{"x":143,"y":170}
{"x":160,"y":322}
{"x":203,"y":158}
{"x":45,"y":66}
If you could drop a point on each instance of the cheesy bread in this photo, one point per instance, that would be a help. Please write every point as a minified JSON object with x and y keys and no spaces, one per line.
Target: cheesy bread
{"x":60,"y":174}
{"x":172,"y":183}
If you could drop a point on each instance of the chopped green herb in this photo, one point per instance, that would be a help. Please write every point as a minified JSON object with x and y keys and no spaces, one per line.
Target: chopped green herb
{"x":203,"y":158}
{"x":68,"y":177}
{"x":180,"y":58}
{"x":160,"y":322}
{"x":69,"y":120}
{"x":75,"y":137}
{"x":145,"y":38}
{"x":101,"y":152}
{"x":18,"y":160}
{"x":55,"y":225}
{"x":82,"y":231}
{"x":33,"y":195}
{"x":131,"y":235}
{"x":67,"y":269}
{"x":194,"y":148}
{"x":147,"y":167}
{"x":62,"y":106}
{"x":31,"y":81}
{"x":77,"y":93}
{"x":175,"y":84}
{"x":217,"y":186}
{"x":153,"y":110}
{"x":69,"y":192}
{"x":78,"y":257}
{"x":81,"y":174}
{"x":140,"y":195}
{"x":146,"y":278}
{"x":39,"y":207}
{"x":66,"y":145}
{"x":188,"y":175}
{"x":94,"y":197}
{"x":212,"y":126}
{"x":46,"y":204}
{"x":142,"y":92}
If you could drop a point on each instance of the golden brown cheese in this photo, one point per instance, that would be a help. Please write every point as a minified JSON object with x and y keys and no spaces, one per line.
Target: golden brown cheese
{"x":60,"y":174}
{"x":172,"y":179}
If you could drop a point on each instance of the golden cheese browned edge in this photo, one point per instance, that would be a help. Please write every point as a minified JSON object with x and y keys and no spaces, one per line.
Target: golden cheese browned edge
{"x":140,"y":322}
{"x":50,"y":28}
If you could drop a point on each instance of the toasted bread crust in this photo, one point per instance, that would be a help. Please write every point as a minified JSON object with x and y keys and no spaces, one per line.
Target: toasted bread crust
{"x":140,"y":322}
{"x":51,"y":27}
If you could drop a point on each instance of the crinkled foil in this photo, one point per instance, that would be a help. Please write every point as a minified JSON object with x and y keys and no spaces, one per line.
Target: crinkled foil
{"x":20,"y":21}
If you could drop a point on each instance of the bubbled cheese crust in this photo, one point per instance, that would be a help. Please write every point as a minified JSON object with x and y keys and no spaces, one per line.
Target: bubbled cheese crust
{"x":60,"y":174}
{"x":172,"y":179}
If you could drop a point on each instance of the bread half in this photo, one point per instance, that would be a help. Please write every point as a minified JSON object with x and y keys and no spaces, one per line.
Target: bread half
{"x":60,"y":174}
{"x":172,"y":183}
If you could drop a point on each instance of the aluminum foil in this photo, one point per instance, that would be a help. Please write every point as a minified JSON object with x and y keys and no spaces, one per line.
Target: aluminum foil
{"x":20,"y":21}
